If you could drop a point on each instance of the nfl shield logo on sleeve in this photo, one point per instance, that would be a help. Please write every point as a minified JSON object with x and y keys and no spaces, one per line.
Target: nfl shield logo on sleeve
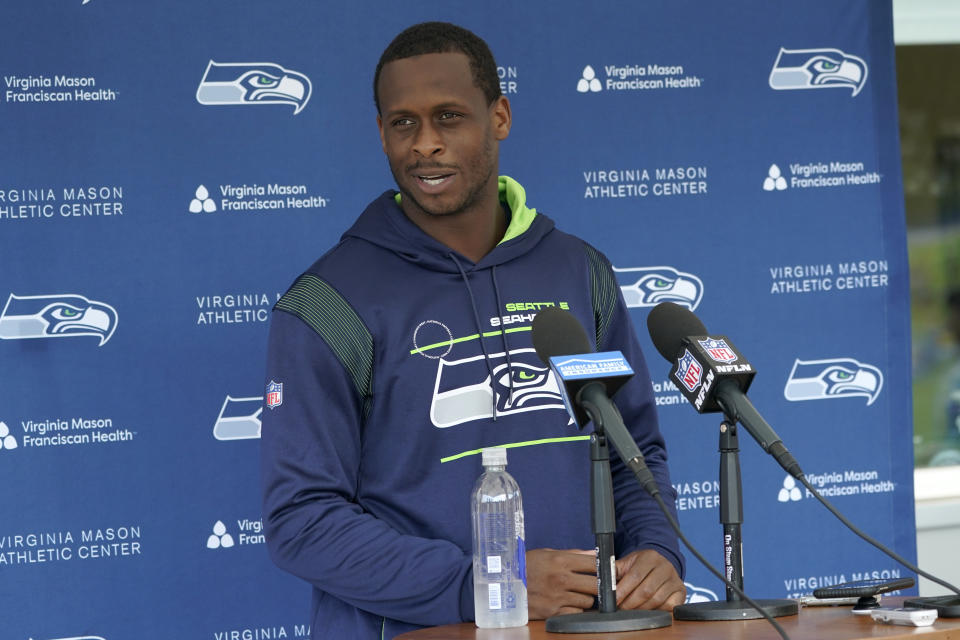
{"x":274,"y":394}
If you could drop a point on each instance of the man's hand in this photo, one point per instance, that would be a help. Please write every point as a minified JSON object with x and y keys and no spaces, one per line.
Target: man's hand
{"x":560,"y":582}
{"x":647,"y":580}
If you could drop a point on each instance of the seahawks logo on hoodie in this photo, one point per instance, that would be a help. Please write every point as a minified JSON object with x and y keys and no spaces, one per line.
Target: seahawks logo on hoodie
{"x":464,"y":390}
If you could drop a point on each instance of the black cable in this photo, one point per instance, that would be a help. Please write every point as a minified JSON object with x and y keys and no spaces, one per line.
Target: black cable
{"x":703,"y":561}
{"x":802,"y":478}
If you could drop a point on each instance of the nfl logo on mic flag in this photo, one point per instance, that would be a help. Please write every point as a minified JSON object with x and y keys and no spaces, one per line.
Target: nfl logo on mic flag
{"x":719,"y":350}
{"x":704,"y":362}
{"x":688,"y":371}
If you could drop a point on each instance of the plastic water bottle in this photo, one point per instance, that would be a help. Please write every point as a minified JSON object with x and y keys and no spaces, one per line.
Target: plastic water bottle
{"x":499,"y":554}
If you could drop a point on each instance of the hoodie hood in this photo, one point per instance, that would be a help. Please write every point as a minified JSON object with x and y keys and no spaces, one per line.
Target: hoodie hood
{"x":384,"y":224}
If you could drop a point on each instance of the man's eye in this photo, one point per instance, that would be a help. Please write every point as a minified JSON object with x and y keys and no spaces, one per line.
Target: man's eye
{"x":449,"y":115}
{"x":402,"y":122}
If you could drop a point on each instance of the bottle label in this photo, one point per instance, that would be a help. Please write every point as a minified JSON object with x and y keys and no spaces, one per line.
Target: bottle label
{"x":522,"y":560}
{"x":493,"y":596}
{"x":493,"y":564}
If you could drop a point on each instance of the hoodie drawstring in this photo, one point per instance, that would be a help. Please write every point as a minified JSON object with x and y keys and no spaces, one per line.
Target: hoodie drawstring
{"x":476,"y":319}
{"x":503,"y":331}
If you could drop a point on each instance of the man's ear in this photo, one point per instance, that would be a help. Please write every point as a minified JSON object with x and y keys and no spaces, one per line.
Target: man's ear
{"x":500,"y":118}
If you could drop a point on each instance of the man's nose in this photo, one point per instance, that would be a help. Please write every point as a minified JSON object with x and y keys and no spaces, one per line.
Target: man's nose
{"x":428,"y":141}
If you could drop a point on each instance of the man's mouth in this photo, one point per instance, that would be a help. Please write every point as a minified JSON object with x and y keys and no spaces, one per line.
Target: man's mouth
{"x":433,"y":179}
{"x":434,"y":182}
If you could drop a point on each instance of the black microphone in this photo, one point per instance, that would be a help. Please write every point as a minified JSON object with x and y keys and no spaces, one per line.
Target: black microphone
{"x":589,"y":381}
{"x":713,"y":375}
{"x":674,"y":331}
{"x":556,"y":332}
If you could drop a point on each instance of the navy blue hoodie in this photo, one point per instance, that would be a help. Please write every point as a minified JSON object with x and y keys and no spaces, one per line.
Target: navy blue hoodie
{"x":392,"y":361}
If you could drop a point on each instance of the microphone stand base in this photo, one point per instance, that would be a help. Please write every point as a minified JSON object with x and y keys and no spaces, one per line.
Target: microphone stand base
{"x":737,"y":610}
{"x":599,"y":622}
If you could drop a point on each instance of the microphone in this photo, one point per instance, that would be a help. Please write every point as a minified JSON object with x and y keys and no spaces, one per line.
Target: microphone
{"x":713,"y":375}
{"x":683,"y":341}
{"x":588,"y":380}
{"x":555,"y":333}
{"x":559,"y":339}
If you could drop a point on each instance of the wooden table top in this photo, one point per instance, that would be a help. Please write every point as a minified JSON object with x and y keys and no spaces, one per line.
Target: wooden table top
{"x":812,"y":623}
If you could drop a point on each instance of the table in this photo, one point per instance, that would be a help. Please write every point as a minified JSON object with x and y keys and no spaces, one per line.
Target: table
{"x":812,"y":623}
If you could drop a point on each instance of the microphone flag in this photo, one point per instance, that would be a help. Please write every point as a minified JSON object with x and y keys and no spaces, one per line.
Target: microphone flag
{"x":700,"y":366}
{"x":574,"y":371}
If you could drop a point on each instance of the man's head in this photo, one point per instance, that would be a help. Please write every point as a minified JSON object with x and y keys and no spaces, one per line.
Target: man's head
{"x":439,"y":127}
{"x":443,"y":37}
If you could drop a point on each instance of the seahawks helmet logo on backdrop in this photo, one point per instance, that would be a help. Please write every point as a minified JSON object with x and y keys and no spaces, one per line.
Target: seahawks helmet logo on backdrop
{"x":239,"y":419}
{"x":835,"y":378}
{"x":818,"y":69}
{"x":247,"y":83}
{"x":649,"y":286}
{"x":56,"y":316}
{"x":464,"y":392}
{"x":699,"y":594}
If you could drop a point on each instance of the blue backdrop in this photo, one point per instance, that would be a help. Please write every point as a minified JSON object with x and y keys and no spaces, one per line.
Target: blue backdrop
{"x":739,"y":158}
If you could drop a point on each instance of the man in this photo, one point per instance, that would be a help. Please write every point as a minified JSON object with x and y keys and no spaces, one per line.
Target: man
{"x":406,"y":349}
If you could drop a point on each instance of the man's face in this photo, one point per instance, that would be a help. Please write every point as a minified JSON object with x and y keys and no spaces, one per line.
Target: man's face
{"x":440,"y":135}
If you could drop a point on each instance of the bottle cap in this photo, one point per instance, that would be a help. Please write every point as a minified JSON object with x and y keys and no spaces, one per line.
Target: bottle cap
{"x":494,"y":457}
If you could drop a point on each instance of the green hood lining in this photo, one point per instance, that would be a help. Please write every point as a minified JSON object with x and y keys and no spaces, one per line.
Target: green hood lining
{"x":513,"y":194}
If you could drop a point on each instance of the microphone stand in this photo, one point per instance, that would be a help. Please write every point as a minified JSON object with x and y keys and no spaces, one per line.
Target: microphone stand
{"x":731,"y":517}
{"x":606,"y":617}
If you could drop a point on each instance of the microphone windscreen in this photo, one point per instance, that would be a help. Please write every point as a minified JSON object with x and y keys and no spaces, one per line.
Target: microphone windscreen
{"x":557,"y":332}
{"x":668,"y":324}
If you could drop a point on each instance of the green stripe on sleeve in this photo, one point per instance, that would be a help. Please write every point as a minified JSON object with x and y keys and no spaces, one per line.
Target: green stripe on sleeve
{"x":326,"y":312}
{"x":604,"y":290}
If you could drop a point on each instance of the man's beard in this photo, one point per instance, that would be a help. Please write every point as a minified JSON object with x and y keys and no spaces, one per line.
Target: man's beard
{"x":469,"y":198}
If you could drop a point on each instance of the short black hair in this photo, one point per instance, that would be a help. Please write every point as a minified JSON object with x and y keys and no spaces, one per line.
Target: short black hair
{"x":443,"y":37}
